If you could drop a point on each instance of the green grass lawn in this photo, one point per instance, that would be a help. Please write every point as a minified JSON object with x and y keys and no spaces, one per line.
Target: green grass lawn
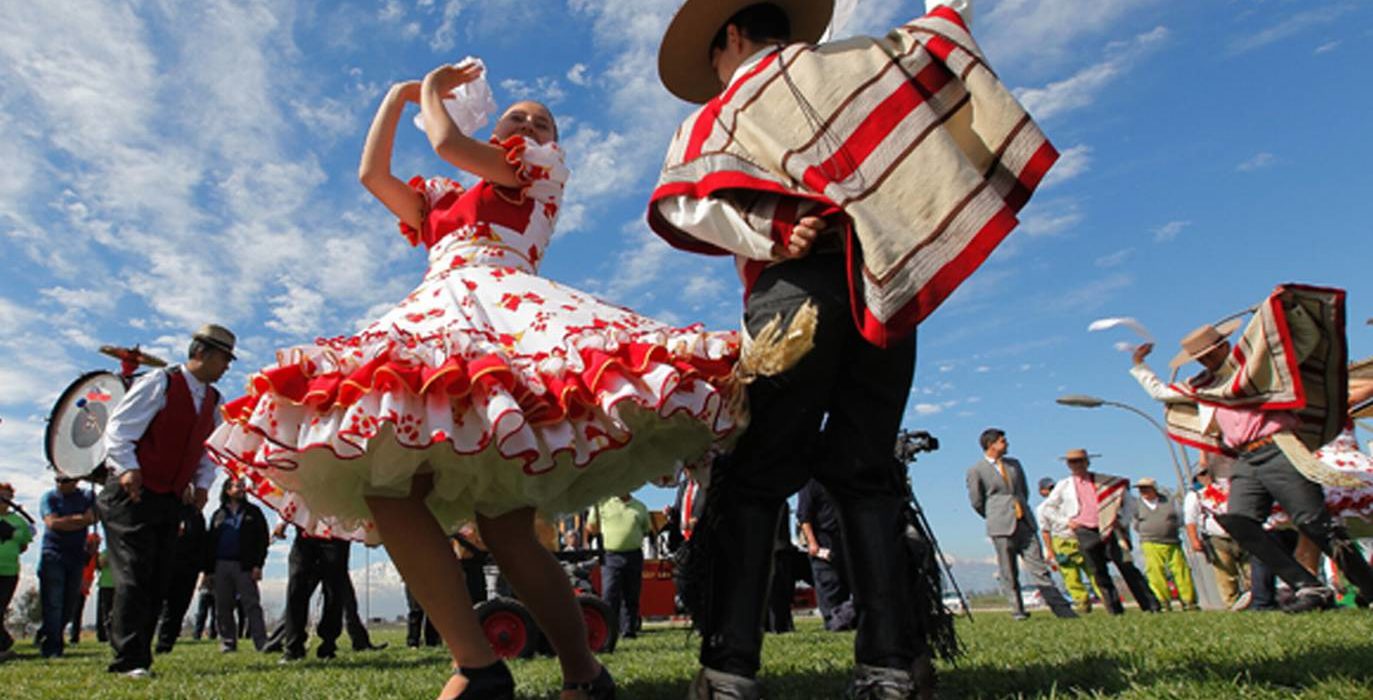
{"x":1178,"y":655}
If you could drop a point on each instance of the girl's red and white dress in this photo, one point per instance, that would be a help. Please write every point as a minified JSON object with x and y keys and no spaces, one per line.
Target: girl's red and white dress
{"x":512,"y":389}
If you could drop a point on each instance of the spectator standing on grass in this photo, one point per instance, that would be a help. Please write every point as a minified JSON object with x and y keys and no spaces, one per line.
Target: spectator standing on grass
{"x":1061,"y":549}
{"x":237,"y":550}
{"x":998,"y":492}
{"x":15,"y":536}
{"x":623,"y":523}
{"x":104,"y":596}
{"x":783,"y":578}
{"x":417,"y":625}
{"x":819,"y":520}
{"x":1097,"y":507}
{"x":1156,"y":519}
{"x":67,"y":512}
{"x":191,"y":541}
{"x":155,"y":447}
{"x":205,"y":611}
{"x":1206,"y":537}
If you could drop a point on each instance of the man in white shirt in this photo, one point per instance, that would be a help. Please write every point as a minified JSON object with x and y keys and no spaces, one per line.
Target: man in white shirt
{"x":155,"y":450}
{"x":1062,"y":550}
{"x":1206,"y":536}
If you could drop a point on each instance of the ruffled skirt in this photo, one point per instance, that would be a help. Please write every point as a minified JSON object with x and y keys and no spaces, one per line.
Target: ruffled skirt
{"x":512,"y":390}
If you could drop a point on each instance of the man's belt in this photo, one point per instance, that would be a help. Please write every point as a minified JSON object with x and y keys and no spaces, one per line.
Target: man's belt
{"x":1255,"y":445}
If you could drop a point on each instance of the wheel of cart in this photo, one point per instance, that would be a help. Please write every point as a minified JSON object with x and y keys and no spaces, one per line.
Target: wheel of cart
{"x":602,"y":630}
{"x":509,"y":628}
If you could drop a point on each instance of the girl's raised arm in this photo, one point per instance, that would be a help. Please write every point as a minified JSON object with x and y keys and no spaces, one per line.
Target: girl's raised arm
{"x":484,"y":160}
{"x":374,"y":172}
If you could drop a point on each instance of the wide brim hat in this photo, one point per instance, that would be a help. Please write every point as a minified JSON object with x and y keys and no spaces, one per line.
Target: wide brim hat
{"x":1204,"y":340}
{"x":217,"y":337}
{"x":1079,"y":453}
{"x":1147,"y":483}
{"x":684,"y":57}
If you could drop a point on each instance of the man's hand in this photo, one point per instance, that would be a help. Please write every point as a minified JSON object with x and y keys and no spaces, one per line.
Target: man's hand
{"x":132,"y":483}
{"x":1142,"y":352}
{"x":1198,"y":547}
{"x":803,"y":236}
{"x":257,"y":573}
{"x":813,"y":549}
{"x":279,"y":532}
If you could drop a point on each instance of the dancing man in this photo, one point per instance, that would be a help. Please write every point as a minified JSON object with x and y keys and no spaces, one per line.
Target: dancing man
{"x":852,"y":182}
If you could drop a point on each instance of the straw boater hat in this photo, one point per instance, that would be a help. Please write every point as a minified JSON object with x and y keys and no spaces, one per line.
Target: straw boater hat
{"x":1077,"y":454}
{"x":217,"y":337}
{"x":684,"y":58}
{"x":1147,"y":483}
{"x":1203,"y":340}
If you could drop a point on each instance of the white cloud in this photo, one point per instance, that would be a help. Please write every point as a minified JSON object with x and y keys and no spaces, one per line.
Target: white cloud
{"x":1259,"y":161}
{"x":1081,"y":89}
{"x":1050,"y":217}
{"x":577,"y":75}
{"x":544,"y":89}
{"x":445,"y":37}
{"x":1071,"y":163}
{"x":1170,"y":231}
{"x":928,"y":409}
{"x":1046,"y":32}
{"x":1291,"y":25}
{"x":298,"y":311}
{"x":1114,"y":259}
{"x":1327,"y":47}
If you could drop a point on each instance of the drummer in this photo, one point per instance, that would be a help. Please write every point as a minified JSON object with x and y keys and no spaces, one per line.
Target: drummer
{"x":155,"y":450}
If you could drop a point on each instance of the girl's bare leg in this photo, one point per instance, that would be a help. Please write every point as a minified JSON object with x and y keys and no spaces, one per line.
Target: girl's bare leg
{"x":421,"y":551}
{"x":542,"y":585}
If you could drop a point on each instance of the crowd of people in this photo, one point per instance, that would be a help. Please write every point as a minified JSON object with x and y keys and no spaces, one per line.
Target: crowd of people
{"x":491,"y":394}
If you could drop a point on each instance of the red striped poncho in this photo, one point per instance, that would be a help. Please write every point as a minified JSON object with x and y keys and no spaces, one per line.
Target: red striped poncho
{"x":909,"y":140}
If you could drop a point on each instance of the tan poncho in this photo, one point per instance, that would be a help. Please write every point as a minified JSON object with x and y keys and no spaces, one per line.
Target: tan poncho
{"x":910,"y":136}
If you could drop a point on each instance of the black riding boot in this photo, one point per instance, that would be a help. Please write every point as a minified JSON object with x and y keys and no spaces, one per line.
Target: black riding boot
{"x":740,"y":540}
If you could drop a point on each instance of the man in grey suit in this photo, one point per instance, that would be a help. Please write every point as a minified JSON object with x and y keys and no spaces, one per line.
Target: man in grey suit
{"x":997,"y":490}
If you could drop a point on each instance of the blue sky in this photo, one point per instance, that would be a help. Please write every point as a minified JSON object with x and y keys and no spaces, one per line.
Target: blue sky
{"x":168,"y":164}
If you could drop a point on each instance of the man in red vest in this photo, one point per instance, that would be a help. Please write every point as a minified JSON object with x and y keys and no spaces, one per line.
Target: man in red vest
{"x":155,"y":444}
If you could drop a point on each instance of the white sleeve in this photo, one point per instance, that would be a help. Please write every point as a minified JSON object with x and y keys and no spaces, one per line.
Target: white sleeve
{"x":962,"y":7}
{"x":720,"y":223}
{"x":131,"y":417}
{"x":1153,"y":386}
{"x":204,"y":476}
{"x":1191,"y":509}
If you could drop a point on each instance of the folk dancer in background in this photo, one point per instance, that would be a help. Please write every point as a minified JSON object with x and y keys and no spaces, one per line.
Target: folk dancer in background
{"x":1272,"y":400}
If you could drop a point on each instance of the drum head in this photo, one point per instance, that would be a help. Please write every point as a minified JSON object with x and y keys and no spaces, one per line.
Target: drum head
{"x":75,"y":440}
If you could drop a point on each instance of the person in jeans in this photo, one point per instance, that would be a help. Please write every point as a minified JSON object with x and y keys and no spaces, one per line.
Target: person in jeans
{"x":238,"y":549}
{"x":67,"y":513}
{"x":15,"y":536}
{"x":623,"y":523}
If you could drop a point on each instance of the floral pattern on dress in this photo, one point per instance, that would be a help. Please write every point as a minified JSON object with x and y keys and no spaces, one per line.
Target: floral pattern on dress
{"x":513,"y":389}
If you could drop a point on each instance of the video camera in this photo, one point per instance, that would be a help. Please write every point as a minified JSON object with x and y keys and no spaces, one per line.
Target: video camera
{"x":911,"y":443}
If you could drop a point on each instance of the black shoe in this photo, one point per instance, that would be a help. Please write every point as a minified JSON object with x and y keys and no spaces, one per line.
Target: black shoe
{"x":326,"y":652}
{"x":162,"y":649}
{"x":602,"y":687}
{"x":373,"y":647}
{"x":1311,"y":598}
{"x":273,"y":647}
{"x":492,"y":682}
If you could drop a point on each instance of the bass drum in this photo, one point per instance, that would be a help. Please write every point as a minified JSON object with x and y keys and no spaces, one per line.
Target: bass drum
{"x":75,"y":441}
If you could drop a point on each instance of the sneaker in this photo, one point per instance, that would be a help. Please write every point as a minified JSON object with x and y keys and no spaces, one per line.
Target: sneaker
{"x":710,"y":684}
{"x":877,"y":683}
{"x":288,"y":659}
{"x":1020,"y":616}
{"x":1309,"y":598}
{"x":138,"y":674}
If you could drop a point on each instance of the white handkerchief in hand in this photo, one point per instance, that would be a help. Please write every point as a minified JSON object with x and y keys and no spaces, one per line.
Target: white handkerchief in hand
{"x":471,"y":105}
{"x":1130,"y":323}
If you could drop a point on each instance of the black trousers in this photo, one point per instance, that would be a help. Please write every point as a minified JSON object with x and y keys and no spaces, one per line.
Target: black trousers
{"x":416,"y":622}
{"x":833,"y":417}
{"x":352,"y":621}
{"x":783,"y":590}
{"x":104,"y":610}
{"x":312,"y":563}
{"x":1265,"y":475}
{"x":1099,"y":552}
{"x":1262,"y":580}
{"x":205,"y":612}
{"x":622,"y":580}
{"x":78,"y":611}
{"x":831,"y":579}
{"x":141,"y":539}
{"x":7,"y":586}
{"x":172,"y":614}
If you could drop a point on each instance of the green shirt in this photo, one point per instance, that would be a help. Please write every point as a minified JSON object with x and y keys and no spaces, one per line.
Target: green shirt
{"x":623,"y":525}
{"x":106,"y":579}
{"x":9,"y":549}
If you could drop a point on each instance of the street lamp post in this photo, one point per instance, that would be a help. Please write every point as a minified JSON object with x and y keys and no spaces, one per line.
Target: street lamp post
{"x":1206,"y":584}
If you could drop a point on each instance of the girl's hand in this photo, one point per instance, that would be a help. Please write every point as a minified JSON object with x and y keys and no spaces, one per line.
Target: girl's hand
{"x":408,"y":91}
{"x":447,"y":77}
